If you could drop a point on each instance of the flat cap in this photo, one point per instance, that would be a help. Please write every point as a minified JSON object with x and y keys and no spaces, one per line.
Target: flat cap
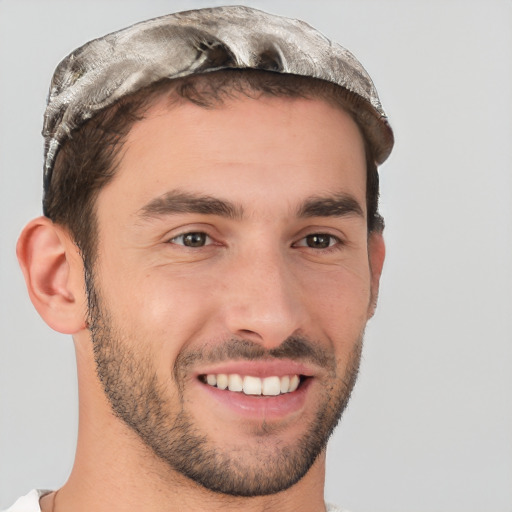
{"x":104,"y":70}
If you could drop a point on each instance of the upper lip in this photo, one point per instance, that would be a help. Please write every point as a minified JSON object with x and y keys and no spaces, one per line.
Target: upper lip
{"x":261,"y":368}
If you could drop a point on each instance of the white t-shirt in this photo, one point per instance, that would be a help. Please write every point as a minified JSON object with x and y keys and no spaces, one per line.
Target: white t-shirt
{"x":30,"y":503}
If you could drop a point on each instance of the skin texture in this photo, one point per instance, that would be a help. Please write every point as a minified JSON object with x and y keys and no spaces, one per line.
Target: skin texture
{"x":162,"y":313}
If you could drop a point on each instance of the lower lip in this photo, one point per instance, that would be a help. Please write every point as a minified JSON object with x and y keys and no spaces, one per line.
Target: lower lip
{"x":261,"y":407}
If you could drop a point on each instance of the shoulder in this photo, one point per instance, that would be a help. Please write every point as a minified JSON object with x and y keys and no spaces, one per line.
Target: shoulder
{"x":28,"y":503}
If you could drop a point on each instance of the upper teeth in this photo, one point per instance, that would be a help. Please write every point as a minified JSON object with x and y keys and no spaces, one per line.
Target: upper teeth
{"x":269,"y":386}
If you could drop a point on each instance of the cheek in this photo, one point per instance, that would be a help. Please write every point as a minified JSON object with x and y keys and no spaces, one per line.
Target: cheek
{"x":339,"y":300}
{"x":161,"y":306}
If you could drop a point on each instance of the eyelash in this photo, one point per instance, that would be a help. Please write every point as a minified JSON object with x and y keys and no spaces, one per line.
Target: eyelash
{"x":190,"y":234}
{"x":335,"y":243}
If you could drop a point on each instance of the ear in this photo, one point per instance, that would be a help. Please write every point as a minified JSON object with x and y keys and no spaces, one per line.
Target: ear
{"x":53,"y":270}
{"x":376,"y":255}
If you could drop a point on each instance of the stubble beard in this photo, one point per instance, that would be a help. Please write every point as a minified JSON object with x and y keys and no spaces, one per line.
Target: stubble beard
{"x":137,"y":397}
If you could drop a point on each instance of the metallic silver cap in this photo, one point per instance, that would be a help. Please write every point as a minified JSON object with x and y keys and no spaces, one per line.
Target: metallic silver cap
{"x":104,"y":70}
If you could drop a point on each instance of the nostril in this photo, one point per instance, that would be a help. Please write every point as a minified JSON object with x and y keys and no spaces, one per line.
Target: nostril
{"x":247,"y":332}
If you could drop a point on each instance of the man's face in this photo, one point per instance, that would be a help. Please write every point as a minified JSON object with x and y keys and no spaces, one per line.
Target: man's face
{"x":233,"y":252}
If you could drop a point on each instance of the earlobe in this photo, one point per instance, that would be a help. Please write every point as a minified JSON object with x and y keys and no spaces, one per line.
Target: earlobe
{"x":376,"y":255}
{"x":53,"y":273}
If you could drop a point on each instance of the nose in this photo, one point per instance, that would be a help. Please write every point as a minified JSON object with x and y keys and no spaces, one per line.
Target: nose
{"x":263,"y":300}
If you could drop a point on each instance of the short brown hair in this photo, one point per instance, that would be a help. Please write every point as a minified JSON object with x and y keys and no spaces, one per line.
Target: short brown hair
{"x":90,"y":157}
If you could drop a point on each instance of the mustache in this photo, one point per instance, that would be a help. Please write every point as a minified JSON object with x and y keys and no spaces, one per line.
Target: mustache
{"x":295,"y":348}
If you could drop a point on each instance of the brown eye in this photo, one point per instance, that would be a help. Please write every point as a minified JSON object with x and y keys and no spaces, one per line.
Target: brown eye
{"x":320,"y":241}
{"x":196,"y":239}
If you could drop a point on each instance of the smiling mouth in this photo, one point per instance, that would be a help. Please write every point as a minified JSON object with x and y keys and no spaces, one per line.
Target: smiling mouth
{"x":254,"y":386}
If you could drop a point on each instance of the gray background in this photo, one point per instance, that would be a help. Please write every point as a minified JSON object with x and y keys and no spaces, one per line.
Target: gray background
{"x":430,"y":425}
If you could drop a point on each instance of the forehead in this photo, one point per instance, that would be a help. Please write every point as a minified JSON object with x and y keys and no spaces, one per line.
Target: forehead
{"x":272,"y":145}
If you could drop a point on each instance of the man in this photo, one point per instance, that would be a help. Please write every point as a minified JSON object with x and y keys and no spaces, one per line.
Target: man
{"x":212,"y":241}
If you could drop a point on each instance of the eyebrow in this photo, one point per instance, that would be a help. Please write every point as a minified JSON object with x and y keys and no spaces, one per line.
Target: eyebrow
{"x":177,"y":201}
{"x":337,"y":205}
